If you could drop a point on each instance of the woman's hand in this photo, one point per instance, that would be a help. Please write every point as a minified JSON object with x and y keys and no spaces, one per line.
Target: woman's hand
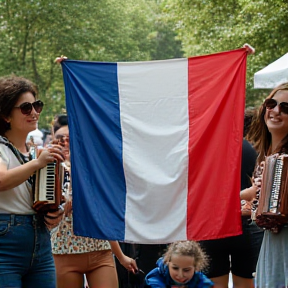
{"x":49,"y":155}
{"x":129,"y":264}
{"x":58,"y":60}
{"x":250,"y":50}
{"x":125,"y":261}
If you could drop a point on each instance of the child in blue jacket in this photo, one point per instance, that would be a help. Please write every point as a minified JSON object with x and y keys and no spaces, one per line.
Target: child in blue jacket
{"x":180,"y":267}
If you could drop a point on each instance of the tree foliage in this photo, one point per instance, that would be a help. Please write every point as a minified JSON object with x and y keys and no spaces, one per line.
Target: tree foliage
{"x":209,"y":26}
{"x":34,"y":32}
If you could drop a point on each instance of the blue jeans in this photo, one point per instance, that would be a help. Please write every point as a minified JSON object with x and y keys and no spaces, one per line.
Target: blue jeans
{"x":26,"y":259}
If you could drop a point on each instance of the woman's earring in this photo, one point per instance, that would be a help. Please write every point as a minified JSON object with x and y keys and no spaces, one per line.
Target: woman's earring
{"x":7,"y":120}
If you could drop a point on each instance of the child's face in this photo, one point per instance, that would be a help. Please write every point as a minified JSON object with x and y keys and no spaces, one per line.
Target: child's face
{"x":181,"y":268}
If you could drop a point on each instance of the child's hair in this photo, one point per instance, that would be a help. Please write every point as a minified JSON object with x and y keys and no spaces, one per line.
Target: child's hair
{"x":187,"y":248}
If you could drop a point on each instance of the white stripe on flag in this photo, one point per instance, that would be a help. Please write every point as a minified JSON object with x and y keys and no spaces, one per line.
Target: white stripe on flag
{"x":164,"y":84}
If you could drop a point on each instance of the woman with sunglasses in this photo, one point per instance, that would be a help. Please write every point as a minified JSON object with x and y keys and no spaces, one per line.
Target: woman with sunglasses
{"x":25,"y":248}
{"x":269,"y":133}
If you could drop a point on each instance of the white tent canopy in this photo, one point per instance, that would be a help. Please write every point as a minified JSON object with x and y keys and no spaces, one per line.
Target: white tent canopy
{"x":272,"y":75}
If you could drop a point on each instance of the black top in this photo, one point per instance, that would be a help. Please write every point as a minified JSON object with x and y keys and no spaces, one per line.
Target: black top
{"x":249,"y":156}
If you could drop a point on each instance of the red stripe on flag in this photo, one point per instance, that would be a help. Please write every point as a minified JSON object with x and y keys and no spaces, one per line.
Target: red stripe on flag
{"x":216,"y":88}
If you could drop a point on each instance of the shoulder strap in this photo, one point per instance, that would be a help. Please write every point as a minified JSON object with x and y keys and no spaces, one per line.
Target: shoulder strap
{"x":18,"y":155}
{"x":16,"y":152}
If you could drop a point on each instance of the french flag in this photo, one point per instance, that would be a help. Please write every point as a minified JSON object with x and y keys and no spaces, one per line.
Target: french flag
{"x":156,"y":147}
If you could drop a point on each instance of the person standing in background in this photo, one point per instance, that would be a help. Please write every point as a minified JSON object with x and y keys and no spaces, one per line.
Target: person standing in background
{"x":269,"y":133}
{"x":74,"y":255}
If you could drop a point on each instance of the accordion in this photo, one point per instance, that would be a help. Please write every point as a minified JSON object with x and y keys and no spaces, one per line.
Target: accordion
{"x":47,"y":186}
{"x":272,"y":211}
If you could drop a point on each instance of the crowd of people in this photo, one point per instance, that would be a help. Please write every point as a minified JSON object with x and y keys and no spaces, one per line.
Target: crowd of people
{"x":39,"y":249}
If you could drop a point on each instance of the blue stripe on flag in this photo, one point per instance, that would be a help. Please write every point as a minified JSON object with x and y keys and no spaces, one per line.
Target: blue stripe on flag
{"x":92,"y":99}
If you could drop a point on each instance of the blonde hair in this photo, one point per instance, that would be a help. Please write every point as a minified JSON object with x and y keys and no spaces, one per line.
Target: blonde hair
{"x":187,"y":248}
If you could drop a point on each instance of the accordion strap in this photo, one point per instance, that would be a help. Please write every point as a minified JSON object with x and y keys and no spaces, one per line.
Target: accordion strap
{"x":15,"y":151}
{"x":22,"y":160}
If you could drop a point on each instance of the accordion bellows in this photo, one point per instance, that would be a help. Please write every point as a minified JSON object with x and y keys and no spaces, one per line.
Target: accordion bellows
{"x":272,"y":212}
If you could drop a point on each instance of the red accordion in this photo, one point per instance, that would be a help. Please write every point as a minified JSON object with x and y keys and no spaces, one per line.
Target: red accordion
{"x":272,"y":212}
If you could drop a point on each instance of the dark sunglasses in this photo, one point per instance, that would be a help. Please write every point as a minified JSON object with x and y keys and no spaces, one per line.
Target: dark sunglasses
{"x":62,"y":138}
{"x":26,"y":107}
{"x":271,"y":103}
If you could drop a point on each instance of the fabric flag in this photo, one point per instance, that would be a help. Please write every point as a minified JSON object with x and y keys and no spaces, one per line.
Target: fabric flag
{"x":156,"y":147}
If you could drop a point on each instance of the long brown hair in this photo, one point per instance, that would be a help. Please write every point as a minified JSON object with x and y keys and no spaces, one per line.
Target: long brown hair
{"x":259,"y":134}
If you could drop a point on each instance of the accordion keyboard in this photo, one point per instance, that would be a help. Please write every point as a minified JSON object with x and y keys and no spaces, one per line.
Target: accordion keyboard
{"x":275,"y":191}
{"x":47,"y":183}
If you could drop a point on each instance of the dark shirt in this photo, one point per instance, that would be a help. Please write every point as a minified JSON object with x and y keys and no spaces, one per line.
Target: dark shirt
{"x":249,"y":156}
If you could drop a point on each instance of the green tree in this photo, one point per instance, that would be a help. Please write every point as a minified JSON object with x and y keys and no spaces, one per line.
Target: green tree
{"x":206,"y":26}
{"x":34,"y":32}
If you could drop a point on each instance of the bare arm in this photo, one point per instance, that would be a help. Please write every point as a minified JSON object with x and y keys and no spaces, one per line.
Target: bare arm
{"x":16,"y":176}
{"x":127,"y":262}
{"x":249,"y":193}
{"x":10,"y":178}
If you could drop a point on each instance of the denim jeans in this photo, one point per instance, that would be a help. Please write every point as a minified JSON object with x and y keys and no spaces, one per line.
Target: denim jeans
{"x":26,"y":259}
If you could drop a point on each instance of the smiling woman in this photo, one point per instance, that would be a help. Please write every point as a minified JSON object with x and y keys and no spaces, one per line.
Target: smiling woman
{"x":20,"y":225}
{"x":269,"y":133}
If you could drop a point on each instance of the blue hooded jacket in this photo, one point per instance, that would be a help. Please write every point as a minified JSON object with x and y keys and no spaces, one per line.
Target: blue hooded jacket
{"x":160,"y":278}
